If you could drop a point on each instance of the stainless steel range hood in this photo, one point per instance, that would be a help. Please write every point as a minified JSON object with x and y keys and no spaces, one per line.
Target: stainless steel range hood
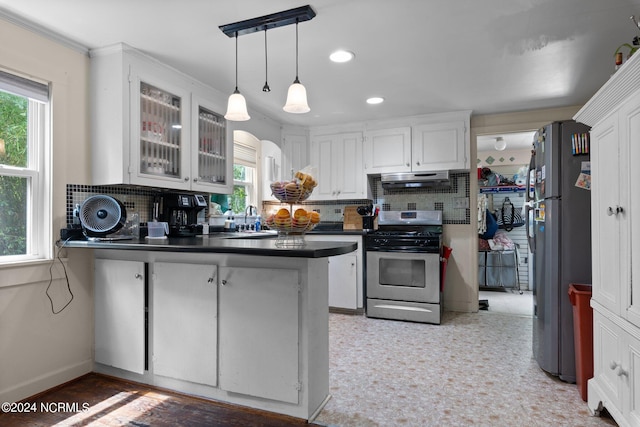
{"x":415,"y":179}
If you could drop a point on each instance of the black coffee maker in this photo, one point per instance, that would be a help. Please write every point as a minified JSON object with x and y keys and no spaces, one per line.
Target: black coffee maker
{"x":180,"y":210}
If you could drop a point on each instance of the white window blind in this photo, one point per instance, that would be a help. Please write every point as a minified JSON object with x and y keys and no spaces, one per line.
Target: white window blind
{"x":20,"y":86}
{"x":244,"y":155}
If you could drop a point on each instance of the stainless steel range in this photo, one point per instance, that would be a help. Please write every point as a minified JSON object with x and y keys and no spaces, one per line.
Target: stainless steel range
{"x":403,"y":266}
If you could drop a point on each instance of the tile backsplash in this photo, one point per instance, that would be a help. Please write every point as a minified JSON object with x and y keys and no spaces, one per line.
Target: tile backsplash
{"x":453,"y":201}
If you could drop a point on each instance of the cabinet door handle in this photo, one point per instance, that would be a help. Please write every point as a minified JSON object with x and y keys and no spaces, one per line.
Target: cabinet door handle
{"x":614,"y":211}
{"x":621,"y":372}
{"x":223,"y":282}
{"x":138,"y":276}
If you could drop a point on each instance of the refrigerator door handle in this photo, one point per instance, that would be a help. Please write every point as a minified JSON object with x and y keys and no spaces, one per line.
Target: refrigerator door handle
{"x":529,"y":207}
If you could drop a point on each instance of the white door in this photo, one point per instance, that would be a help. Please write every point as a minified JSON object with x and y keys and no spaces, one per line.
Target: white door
{"x":605,"y":222}
{"x":258,"y":326}
{"x":184,"y":310}
{"x":343,"y":292}
{"x":120,"y":314}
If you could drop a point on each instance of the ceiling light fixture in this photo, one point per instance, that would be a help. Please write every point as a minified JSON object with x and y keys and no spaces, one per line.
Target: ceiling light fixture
{"x":297,"y":95}
{"x":342,"y":56}
{"x":500,"y":144}
{"x":237,"y":106}
{"x":375,"y":100}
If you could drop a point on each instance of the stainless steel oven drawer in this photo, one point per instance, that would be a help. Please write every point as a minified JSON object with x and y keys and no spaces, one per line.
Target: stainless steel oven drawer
{"x":404,"y":310}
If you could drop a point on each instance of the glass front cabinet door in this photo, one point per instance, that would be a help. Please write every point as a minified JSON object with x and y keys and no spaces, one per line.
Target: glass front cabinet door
{"x":182,"y":140}
{"x":210,"y":160}
{"x":158,"y":129}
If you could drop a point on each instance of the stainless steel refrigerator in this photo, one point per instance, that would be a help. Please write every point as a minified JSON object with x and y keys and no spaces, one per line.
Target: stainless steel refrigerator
{"x":559,"y":232}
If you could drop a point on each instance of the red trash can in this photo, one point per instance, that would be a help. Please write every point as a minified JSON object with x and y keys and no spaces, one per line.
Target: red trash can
{"x":580,"y":296}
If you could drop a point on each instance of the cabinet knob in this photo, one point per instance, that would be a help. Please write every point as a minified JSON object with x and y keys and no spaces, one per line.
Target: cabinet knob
{"x":195,"y":179}
{"x":615,"y":365}
{"x":223,"y":282}
{"x":408,"y":164}
{"x":417,"y":163}
{"x":186,"y":178}
{"x":138,"y":276}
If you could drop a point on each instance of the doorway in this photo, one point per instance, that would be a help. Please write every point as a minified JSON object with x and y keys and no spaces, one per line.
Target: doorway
{"x":504,"y":279}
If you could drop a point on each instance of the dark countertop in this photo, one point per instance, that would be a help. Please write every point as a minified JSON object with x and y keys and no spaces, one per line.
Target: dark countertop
{"x":265,"y":246}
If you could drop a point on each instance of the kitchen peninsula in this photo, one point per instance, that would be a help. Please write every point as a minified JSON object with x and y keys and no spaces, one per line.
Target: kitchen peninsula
{"x":237,"y":320}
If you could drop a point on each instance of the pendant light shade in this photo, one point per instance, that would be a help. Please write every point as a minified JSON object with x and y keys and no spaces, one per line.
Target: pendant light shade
{"x":237,"y":105}
{"x":500,"y":144}
{"x":237,"y":108}
{"x":297,"y":95}
{"x":297,"y":99}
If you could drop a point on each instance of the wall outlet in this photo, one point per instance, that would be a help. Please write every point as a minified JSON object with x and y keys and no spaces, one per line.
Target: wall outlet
{"x":460,"y":202}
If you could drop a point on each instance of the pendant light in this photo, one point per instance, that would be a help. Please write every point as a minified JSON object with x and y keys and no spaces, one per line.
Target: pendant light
{"x":500,"y":144}
{"x":237,"y":106}
{"x":266,"y":87}
{"x":297,"y":95}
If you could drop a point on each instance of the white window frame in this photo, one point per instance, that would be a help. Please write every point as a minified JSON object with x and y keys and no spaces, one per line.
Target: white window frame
{"x":38,"y":175}
{"x":252,"y":186}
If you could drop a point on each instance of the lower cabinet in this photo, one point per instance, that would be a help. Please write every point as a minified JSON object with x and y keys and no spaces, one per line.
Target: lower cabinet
{"x":184,"y":318}
{"x":342,"y":276}
{"x":259,"y":311}
{"x":120,"y":331}
{"x":616,"y":381}
{"x":346,"y":273}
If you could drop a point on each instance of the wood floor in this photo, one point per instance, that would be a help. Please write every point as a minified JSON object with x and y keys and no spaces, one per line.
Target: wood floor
{"x":112,"y":402}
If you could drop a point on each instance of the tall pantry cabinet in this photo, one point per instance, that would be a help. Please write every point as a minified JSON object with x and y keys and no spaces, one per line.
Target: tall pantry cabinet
{"x":614,"y":115}
{"x":155,"y":126}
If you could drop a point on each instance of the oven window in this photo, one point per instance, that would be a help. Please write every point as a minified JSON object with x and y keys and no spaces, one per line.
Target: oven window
{"x":402,"y":272}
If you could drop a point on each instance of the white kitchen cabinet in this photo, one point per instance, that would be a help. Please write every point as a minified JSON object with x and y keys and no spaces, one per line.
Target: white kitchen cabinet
{"x":259,"y":311}
{"x":439,"y":146}
{"x":295,"y":153}
{"x":154,"y":126}
{"x":387,"y":150}
{"x":120,"y":332}
{"x":342,"y":275}
{"x":184,"y":318}
{"x":614,"y":114}
{"x":346,"y":273}
{"x":434,"y":142}
{"x":338,"y":159}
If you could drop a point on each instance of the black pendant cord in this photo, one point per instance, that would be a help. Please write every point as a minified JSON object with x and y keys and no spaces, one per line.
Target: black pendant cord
{"x":296,"y":80}
{"x":266,"y":87}
{"x":236,"y":91}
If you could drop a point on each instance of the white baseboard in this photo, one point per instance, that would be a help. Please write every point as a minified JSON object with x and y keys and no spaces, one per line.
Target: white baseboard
{"x":33,"y":386}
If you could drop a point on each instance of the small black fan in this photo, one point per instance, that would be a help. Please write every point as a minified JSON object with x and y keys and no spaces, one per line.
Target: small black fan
{"x":102,"y":215}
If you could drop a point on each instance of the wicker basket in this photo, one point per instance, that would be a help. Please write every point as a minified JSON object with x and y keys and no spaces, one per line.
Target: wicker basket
{"x":284,"y":192}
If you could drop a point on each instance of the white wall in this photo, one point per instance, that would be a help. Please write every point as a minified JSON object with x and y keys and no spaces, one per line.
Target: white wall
{"x":38,"y":349}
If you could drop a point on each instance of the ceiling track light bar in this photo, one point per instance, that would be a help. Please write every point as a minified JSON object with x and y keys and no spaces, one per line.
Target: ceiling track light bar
{"x":267,"y":22}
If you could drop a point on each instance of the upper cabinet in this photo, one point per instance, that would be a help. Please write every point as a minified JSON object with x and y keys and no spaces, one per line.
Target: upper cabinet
{"x":295,"y":147}
{"x":433,"y":142}
{"x":387,"y":150}
{"x":154,"y":126}
{"x":338,"y":159}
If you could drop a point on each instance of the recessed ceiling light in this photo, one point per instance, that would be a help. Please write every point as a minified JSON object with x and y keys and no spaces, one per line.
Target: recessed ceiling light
{"x":375,"y":100}
{"x":342,"y":56}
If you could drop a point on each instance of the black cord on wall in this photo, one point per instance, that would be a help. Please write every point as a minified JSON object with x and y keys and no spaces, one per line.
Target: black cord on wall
{"x":65,"y":275}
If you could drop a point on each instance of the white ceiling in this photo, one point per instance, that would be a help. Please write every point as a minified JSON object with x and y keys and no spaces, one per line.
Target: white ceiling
{"x":422,"y":56}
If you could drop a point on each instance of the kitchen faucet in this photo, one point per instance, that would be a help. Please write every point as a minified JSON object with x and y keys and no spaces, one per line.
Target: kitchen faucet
{"x":252,"y":210}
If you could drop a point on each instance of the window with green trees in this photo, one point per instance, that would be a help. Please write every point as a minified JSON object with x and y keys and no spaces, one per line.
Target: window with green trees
{"x":24,"y":199}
